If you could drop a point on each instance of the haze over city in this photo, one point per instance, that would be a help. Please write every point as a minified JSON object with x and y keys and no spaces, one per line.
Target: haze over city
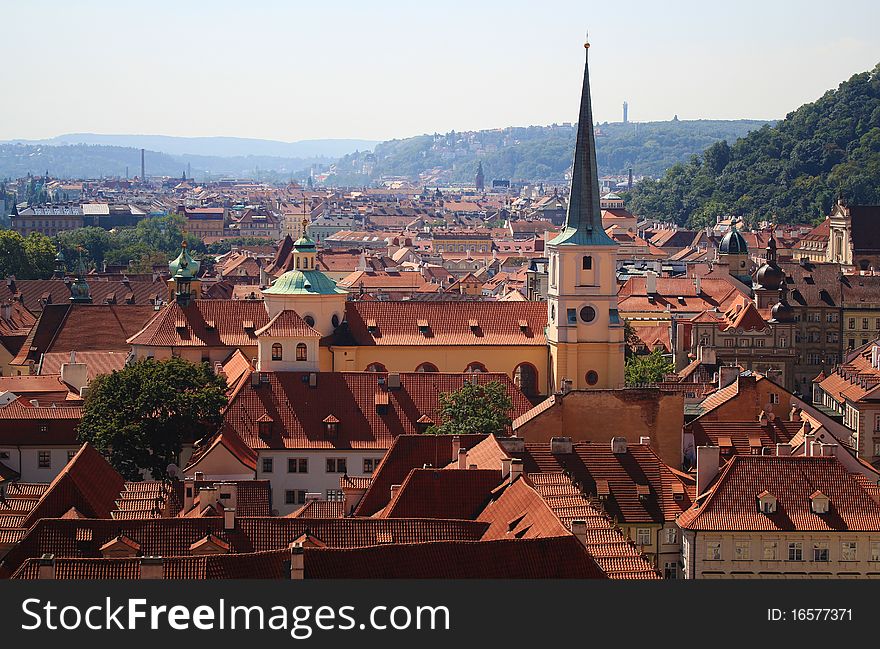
{"x":292,"y":71}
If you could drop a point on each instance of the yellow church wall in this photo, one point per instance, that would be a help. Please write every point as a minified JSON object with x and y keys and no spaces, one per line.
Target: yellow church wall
{"x":447,"y":358}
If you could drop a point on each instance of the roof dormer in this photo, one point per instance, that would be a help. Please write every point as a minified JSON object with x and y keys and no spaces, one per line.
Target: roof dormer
{"x":819,"y":502}
{"x":766,"y":502}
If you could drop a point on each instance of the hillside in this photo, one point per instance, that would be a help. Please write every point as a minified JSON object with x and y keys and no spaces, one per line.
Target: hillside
{"x":790,"y":172}
{"x":94,"y":161}
{"x":537,"y":152}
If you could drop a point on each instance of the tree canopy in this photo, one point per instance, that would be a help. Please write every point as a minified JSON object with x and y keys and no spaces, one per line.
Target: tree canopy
{"x":30,"y":257}
{"x":647,"y":368}
{"x":139,"y":417}
{"x":474,"y":409}
{"x":790,"y":172}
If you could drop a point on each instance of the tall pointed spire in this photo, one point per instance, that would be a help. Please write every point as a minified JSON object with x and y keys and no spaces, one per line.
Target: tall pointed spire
{"x":583,"y":220}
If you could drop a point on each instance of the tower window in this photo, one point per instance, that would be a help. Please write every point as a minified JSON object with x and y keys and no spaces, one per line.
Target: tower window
{"x":309,"y":320}
{"x":592,"y":377}
{"x":301,"y":353}
{"x":334,"y":320}
{"x":572,"y":316}
{"x":588,"y":314}
{"x":587,"y":262}
{"x":277,"y":353}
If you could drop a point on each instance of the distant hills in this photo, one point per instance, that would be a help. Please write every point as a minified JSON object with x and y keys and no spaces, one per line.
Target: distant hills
{"x":789,"y":172}
{"x":538,"y":152}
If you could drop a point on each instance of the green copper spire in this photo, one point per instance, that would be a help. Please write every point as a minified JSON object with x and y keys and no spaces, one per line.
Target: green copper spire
{"x":583,"y":221}
{"x":184,"y":267}
{"x":79,"y":288}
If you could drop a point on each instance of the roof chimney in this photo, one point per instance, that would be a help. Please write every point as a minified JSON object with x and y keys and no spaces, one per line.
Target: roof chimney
{"x":795,"y":414}
{"x":808,"y":443}
{"x":560,"y":445}
{"x":297,"y":561}
{"x":651,"y":283}
{"x":395,"y":488}
{"x":828,"y":450}
{"x":516,"y":469}
{"x":152,"y":568}
{"x":618,"y":445}
{"x":579,"y":529}
{"x":505,"y":467}
{"x":462,"y":458}
{"x":783,"y":450}
{"x":708,"y":458}
{"x":645,"y":440}
{"x":456,"y":447}
{"x":46,"y":567}
{"x":229,"y":518}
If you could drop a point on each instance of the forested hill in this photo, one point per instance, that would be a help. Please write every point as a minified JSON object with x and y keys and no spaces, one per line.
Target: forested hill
{"x":790,"y":172}
{"x":537,"y":152}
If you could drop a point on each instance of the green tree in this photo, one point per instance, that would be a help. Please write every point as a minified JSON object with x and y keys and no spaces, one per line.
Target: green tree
{"x":39,"y":254}
{"x":95,"y":241}
{"x":138,"y":417}
{"x":13,"y":259}
{"x":647,"y":368}
{"x":474,"y":409}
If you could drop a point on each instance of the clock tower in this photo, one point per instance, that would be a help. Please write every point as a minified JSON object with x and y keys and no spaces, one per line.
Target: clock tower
{"x":584,"y":330}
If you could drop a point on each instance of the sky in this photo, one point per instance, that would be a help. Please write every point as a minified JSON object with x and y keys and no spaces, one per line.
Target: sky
{"x":382,"y":69}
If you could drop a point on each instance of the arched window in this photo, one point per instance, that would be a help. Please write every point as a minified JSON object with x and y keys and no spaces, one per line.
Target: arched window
{"x":277,"y":353}
{"x":427,"y":367}
{"x":297,"y":263}
{"x":526,"y":377}
{"x":475,"y":368}
{"x":301,"y":353}
{"x":376,"y":367}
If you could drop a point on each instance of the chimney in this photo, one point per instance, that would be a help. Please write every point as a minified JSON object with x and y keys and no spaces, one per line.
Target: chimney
{"x":228,"y":495}
{"x":698,"y":284}
{"x":795,"y":414}
{"x":462,"y":458}
{"x":783,"y":450}
{"x":651,"y":283}
{"x":297,"y":563}
{"x":644,"y":440}
{"x":516,"y":468}
{"x":200,"y":476}
{"x":152,"y":568}
{"x":76,"y":375}
{"x":7,"y":311}
{"x":808,"y":442}
{"x":828,"y":450}
{"x":46,"y":567}
{"x":815,"y":448}
{"x":762,"y":418}
{"x":726,"y":375}
{"x":875,"y":356}
{"x":512,"y":444}
{"x":707,"y":466}
{"x":229,"y":518}
{"x":395,"y":488}
{"x":579,"y":529}
{"x":505,"y":467}
{"x":560,"y":445}
{"x":189,"y":493}
{"x":618,"y":445}
{"x":456,"y":447}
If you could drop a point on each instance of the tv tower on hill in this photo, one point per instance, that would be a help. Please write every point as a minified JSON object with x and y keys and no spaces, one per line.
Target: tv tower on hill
{"x":625,"y":113}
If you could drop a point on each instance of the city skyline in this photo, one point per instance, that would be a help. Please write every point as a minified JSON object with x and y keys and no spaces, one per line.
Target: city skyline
{"x":395,"y":71}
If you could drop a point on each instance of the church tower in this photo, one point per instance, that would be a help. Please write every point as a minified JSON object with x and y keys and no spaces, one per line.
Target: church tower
{"x":584,"y":330}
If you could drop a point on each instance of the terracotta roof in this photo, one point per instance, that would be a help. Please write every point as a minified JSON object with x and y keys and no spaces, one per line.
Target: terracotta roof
{"x":730,"y":504}
{"x":448,"y":323}
{"x":443,"y":493}
{"x":560,"y":557}
{"x":287,"y":324}
{"x":98,"y":362}
{"x":24,"y":424}
{"x":190,"y":326}
{"x":33,"y":292}
{"x":320,"y":509}
{"x":298,"y":411}
{"x":741,"y":433}
{"x":714,"y":292}
{"x":742,"y":314}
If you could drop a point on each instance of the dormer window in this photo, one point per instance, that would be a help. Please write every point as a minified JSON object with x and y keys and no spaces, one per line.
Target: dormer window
{"x":331,"y":426}
{"x":819,"y":503}
{"x":766,"y":503}
{"x":264,"y":426}
{"x":423,"y":327}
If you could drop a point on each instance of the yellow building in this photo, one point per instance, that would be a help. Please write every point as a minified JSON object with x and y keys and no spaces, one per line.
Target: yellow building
{"x":584,"y":330}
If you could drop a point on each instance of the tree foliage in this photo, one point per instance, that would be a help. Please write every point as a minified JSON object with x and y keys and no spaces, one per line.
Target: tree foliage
{"x":647,"y":368}
{"x":139,"y":417}
{"x":474,"y":409}
{"x":30,"y":257}
{"x":791,"y":172}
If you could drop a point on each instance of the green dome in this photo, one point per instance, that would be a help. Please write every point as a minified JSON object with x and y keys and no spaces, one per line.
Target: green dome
{"x":304,"y":282}
{"x":304,"y":242}
{"x":184,"y":266}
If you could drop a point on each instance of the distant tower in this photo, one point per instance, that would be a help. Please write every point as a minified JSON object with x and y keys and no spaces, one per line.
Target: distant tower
{"x":143,"y":169}
{"x":625,"y":113}
{"x":629,"y":183}
{"x":480,"y":180}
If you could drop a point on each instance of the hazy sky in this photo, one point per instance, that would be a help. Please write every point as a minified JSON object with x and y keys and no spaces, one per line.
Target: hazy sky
{"x":380,"y":69}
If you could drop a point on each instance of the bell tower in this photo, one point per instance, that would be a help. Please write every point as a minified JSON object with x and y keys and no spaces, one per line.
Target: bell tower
{"x":584,"y":330}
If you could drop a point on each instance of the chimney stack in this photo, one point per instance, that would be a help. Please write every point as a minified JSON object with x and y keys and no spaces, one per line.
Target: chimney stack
{"x":579,"y":529}
{"x":456,"y":447}
{"x":229,"y":518}
{"x":395,"y":488}
{"x":560,"y":445}
{"x":645,"y":440}
{"x":152,"y":568}
{"x":708,"y":458}
{"x":618,"y":445}
{"x":783,"y":450}
{"x":505,"y":467}
{"x":297,"y":561}
{"x":651,"y":283}
{"x":462,"y":458}
{"x":516,"y":469}
{"x":46,"y":567}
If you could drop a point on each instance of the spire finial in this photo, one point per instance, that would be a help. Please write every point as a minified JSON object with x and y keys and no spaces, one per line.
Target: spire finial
{"x":587,"y":40}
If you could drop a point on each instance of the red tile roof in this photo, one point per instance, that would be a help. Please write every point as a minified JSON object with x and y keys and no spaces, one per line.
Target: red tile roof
{"x":287,"y":324}
{"x":740,"y":433}
{"x":24,"y":424}
{"x":448,"y":323}
{"x":98,"y":362}
{"x":730,"y":504}
{"x":443,"y":493}
{"x":190,"y":326}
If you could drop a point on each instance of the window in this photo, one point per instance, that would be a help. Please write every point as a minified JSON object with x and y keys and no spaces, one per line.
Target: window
{"x":294,"y":497}
{"x":335,"y":494}
{"x":848,"y":550}
{"x":875,"y":551}
{"x":877,"y":422}
{"x":713,"y":551}
{"x":371,"y":463}
{"x":729,"y":342}
{"x":277,"y":354}
{"x":670,"y":570}
{"x":336,"y":465}
{"x":783,"y":342}
{"x":44,"y":460}
{"x":334,"y":320}
{"x":427,"y":367}
{"x":588,"y":313}
{"x":774,"y":397}
{"x":309,"y":320}
{"x":759,"y":342}
{"x":267,"y":465}
{"x":796,"y":551}
{"x":852,"y":343}
{"x":643,"y":536}
{"x":376,"y":367}
{"x":864,"y":323}
{"x":669,"y":535}
{"x":297,"y":465}
{"x":742,"y":551}
{"x":587,"y":262}
{"x":876,"y":323}
{"x":852,"y":323}
{"x":743,"y":342}
{"x":572,"y":316}
{"x":820,"y":551}
{"x":475,"y":368}
{"x":592,"y":377}
{"x":301,"y":353}
{"x":770,"y":551}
